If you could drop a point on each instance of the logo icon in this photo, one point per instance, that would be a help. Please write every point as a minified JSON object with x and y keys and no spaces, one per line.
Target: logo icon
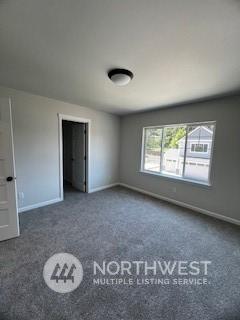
{"x":63,"y":272}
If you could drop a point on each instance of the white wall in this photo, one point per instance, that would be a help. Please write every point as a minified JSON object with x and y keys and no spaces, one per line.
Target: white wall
{"x":223,"y":196}
{"x":35,"y":126}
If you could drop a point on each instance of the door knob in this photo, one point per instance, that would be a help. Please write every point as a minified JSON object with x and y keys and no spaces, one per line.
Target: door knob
{"x":9,"y":179}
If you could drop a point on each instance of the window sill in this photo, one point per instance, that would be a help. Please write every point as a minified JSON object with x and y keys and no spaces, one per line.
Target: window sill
{"x":180,"y":179}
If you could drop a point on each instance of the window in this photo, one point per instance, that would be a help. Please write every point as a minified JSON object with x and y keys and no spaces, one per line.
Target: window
{"x":153,"y":145}
{"x":173,"y":149}
{"x":182,"y":151}
{"x":199,"y":147}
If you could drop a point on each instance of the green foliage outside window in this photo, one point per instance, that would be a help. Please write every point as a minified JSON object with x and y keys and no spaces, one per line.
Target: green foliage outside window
{"x":171,"y":137}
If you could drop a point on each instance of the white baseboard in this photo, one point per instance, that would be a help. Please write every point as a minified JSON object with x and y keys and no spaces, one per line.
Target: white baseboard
{"x":183,"y":204}
{"x":104,"y":187}
{"x":179,"y":203}
{"x":39,"y":205}
{"x":46,"y":203}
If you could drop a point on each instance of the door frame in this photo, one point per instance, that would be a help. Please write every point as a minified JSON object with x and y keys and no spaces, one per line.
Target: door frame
{"x":15,"y":200}
{"x":66,"y":117}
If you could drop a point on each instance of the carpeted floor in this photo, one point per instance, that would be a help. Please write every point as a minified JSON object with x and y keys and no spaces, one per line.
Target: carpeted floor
{"x":118,"y":224}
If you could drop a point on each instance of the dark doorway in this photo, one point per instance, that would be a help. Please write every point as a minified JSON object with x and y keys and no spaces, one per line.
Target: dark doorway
{"x":74,"y":155}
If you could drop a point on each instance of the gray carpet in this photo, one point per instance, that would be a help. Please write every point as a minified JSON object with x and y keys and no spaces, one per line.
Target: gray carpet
{"x":118,"y":224}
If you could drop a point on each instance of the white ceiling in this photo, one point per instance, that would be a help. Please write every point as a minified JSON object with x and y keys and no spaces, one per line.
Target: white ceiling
{"x":179,"y":51}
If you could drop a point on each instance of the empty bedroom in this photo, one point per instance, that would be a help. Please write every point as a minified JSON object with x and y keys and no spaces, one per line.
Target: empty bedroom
{"x":119,"y":160}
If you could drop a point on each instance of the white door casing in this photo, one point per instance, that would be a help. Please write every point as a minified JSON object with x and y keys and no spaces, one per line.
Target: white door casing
{"x":79,"y":156}
{"x":9,"y":224}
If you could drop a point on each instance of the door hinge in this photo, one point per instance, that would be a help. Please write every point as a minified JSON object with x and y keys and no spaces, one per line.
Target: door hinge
{"x":85,"y":131}
{"x":85,"y":157}
{"x":85,"y":183}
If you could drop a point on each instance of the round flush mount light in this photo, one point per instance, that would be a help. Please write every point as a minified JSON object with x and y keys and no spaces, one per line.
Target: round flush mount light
{"x":120,"y":77}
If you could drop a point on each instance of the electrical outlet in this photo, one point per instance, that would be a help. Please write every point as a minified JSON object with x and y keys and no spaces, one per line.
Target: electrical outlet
{"x":174,"y":189}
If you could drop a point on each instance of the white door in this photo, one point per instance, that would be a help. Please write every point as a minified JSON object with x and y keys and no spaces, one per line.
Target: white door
{"x":79,"y":156}
{"x":9,"y":227}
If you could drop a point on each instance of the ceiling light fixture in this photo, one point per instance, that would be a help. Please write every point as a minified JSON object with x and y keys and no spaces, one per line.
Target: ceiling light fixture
{"x":120,"y":77}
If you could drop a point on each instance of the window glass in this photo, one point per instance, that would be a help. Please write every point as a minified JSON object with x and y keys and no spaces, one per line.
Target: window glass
{"x":198,"y":153}
{"x":173,"y":150}
{"x":179,"y":150}
{"x":152,"y":148}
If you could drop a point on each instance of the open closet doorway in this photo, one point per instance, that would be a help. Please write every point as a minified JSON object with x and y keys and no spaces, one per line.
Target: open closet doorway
{"x":74,"y":155}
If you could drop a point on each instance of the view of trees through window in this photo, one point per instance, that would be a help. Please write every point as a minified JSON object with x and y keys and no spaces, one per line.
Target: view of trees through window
{"x":172,"y":161}
{"x":180,"y":150}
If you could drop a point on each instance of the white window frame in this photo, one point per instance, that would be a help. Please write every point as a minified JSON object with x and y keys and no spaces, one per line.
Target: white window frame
{"x":175,"y":177}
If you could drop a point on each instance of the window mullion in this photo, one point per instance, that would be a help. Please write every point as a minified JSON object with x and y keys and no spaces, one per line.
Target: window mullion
{"x":142,"y":165}
{"x":185,"y":152}
{"x":161,"y":153}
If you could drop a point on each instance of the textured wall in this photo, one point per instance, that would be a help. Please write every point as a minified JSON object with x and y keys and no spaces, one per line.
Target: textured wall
{"x":223,"y":196}
{"x":35,"y":125}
